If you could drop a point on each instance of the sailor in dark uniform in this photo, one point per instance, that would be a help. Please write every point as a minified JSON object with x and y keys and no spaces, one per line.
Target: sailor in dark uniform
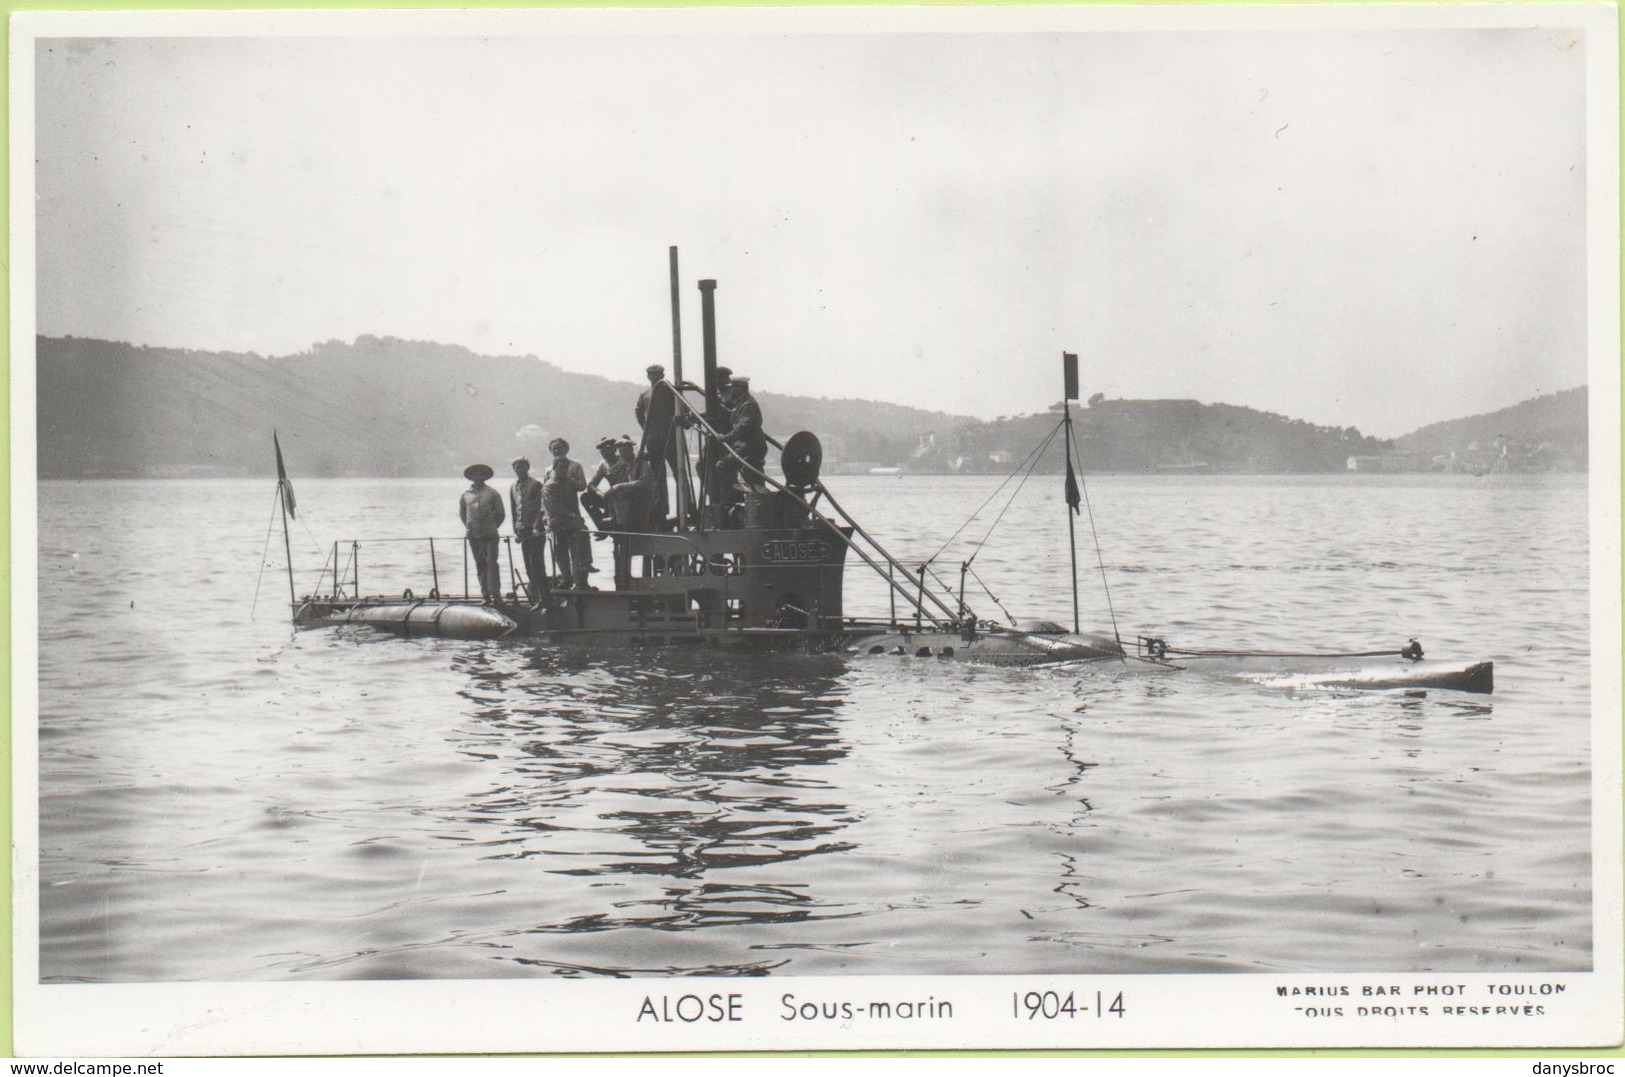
{"x":724,"y":391}
{"x":712,"y":469}
{"x":656,"y":374}
{"x":562,"y":483}
{"x":656,"y":412}
{"x":529,"y":526}
{"x":744,"y":435}
{"x":629,"y":497}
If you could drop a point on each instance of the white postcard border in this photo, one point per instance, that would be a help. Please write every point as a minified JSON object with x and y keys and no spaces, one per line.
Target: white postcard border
{"x":681,"y":1014}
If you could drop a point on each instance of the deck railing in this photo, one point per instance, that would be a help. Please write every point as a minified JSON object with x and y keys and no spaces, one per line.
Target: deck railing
{"x":421,"y":572}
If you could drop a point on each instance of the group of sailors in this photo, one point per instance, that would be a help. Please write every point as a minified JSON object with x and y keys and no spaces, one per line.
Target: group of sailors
{"x":634,"y":497}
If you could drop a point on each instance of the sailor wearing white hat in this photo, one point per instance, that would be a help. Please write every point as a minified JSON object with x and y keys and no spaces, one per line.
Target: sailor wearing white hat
{"x":482,"y":515}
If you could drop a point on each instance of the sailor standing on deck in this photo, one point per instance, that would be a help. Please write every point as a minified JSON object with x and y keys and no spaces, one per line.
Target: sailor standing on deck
{"x":711,"y":463}
{"x":743,"y":435}
{"x":529,"y":526}
{"x":656,"y":412}
{"x":656,"y":374}
{"x":481,"y":510}
{"x":561,"y":487}
{"x":629,"y":498}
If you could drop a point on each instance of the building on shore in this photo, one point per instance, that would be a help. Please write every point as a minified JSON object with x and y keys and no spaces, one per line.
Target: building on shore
{"x":1390,"y":463}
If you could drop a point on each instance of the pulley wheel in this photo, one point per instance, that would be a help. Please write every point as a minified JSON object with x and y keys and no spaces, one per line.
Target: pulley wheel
{"x":800,"y":459}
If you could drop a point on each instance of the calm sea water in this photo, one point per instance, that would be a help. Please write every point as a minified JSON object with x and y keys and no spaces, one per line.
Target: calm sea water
{"x":224,"y":798}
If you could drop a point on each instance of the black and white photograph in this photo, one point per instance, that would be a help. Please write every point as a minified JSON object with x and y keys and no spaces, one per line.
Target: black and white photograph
{"x":821,"y":528}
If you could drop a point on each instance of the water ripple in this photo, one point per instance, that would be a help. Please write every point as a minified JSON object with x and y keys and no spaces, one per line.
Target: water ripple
{"x":222,"y":798}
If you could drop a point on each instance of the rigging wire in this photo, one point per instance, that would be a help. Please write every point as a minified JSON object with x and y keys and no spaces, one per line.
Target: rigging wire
{"x":988,"y":591}
{"x":315,"y":547}
{"x":915,"y":600}
{"x":1035,"y":456}
{"x":1035,"y":451}
{"x":270,"y":527}
{"x":349,"y":565}
{"x":1025,"y":470}
{"x":1030,"y":463}
{"x":1076,"y":458}
{"x":942,"y":583}
{"x":699,"y":420}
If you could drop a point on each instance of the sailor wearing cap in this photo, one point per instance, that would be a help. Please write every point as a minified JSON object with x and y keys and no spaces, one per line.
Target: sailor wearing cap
{"x":561,"y":486}
{"x":743,"y":434}
{"x":481,"y":511}
{"x":611,"y":471}
{"x":630,"y":493}
{"x":628,"y":487}
{"x":723,"y":379}
{"x":529,"y":526}
{"x":656,"y":413}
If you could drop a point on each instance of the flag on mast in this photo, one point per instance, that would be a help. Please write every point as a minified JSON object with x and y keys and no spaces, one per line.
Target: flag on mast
{"x":1073,"y":499}
{"x":282,"y":484}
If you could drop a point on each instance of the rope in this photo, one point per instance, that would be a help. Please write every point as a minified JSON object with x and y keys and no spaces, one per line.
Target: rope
{"x":1100,"y":560}
{"x":1034,"y":456}
{"x":351,"y":564}
{"x":968,"y":520}
{"x":987,"y":591}
{"x":270,"y":526}
{"x":327,"y":559}
{"x":908,"y":574}
{"x":942,"y":583}
{"x":773,"y":483}
{"x":1282,"y":654}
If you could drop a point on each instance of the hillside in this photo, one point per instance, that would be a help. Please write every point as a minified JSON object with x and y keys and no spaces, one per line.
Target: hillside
{"x":1547,"y":432}
{"x":383,"y":406}
{"x":1159,"y":436}
{"x":379,"y":406}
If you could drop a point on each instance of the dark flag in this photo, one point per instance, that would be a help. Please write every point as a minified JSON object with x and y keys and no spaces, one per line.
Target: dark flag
{"x":286,"y":487}
{"x":1072,"y":497}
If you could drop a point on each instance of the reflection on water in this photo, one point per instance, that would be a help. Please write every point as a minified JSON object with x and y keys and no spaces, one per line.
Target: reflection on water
{"x":223,"y":798}
{"x":671,"y":773}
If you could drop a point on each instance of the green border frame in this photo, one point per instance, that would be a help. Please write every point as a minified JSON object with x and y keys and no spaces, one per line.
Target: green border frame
{"x":9,"y":7}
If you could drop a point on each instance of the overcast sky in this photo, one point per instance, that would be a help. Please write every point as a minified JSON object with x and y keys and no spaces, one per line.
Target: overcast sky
{"x":1380,"y":228}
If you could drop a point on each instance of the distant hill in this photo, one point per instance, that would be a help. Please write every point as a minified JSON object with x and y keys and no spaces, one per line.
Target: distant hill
{"x":386,"y":407}
{"x":1552,"y":430}
{"x":1161,"y":436}
{"x":380,"y":406}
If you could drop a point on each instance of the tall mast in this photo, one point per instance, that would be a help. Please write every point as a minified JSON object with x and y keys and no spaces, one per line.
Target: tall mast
{"x":681,"y":478}
{"x":709,"y":496}
{"x":676,"y":325}
{"x":284,"y":492}
{"x":708,"y":341}
{"x":1069,"y":376}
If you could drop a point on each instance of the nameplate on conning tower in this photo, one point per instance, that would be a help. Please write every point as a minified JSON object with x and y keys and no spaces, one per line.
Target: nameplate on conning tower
{"x":792,"y":551}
